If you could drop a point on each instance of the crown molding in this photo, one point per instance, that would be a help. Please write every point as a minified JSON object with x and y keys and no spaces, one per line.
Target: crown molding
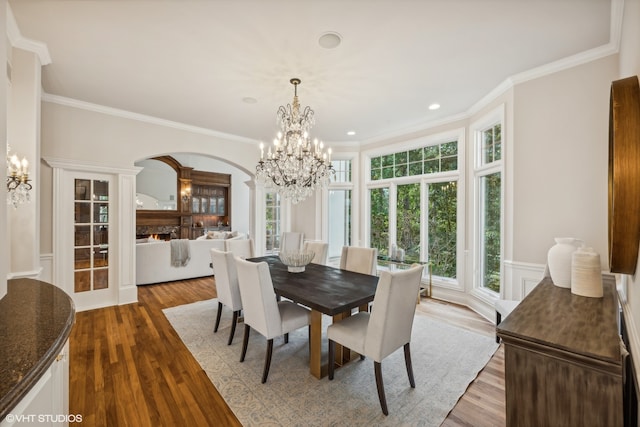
{"x":615,"y":27}
{"x":82,"y":105}
{"x":17,"y":40}
{"x":422,"y":126}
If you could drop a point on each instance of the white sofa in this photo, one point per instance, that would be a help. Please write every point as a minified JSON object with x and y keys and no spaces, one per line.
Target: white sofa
{"x":153,"y":260}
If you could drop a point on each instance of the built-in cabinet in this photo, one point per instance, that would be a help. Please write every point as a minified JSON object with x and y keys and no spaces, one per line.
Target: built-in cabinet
{"x":209,"y":202}
{"x":203,"y":204}
{"x":36,"y":319}
{"x":563,"y":359}
{"x":47,"y":403}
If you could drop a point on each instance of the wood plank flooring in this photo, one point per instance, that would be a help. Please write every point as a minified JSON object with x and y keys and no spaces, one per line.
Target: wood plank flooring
{"x":128,"y":367}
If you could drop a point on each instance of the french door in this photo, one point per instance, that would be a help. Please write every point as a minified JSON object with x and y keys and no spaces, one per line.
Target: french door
{"x":86,"y":239}
{"x":91,"y":235}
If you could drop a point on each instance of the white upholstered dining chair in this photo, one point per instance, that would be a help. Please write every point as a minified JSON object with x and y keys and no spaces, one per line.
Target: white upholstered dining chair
{"x":360,"y":260}
{"x":262,"y":312}
{"x":227,"y":288}
{"x":240,"y":247}
{"x":291,"y":241}
{"x":385,"y":329}
{"x":319,"y":249}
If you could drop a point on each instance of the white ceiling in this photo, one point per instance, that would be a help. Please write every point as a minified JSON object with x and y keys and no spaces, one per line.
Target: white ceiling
{"x":193,"y":61}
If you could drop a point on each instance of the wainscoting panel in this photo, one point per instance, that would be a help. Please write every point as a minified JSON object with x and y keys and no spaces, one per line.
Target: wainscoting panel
{"x":46,"y":264}
{"x":520,"y":278}
{"x":631,"y":340}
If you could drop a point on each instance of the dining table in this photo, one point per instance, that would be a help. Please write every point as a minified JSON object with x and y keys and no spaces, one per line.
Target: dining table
{"x":324,"y":290}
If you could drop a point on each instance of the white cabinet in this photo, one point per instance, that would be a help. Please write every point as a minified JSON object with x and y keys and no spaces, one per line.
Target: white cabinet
{"x":47,"y":403}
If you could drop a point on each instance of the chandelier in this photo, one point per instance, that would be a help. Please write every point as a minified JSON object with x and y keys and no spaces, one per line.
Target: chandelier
{"x":295,"y":167}
{"x":18,"y":182}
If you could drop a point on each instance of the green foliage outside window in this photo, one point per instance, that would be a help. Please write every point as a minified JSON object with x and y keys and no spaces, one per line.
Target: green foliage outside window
{"x":408,"y":221}
{"x":419,"y":161}
{"x":492,"y":144}
{"x":441,"y":206}
{"x":379,"y":199}
{"x":491,"y":227}
{"x":443,"y":228}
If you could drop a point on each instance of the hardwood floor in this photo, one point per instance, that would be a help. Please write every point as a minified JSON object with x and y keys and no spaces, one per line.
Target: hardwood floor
{"x":483,"y":404}
{"x":128,"y":367}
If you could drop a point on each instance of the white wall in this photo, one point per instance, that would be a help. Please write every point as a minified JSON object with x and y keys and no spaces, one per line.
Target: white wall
{"x":23,"y":134}
{"x":560,"y":164}
{"x":159,"y":181}
{"x":4,"y":248}
{"x":115,"y":139}
{"x":630,"y":66}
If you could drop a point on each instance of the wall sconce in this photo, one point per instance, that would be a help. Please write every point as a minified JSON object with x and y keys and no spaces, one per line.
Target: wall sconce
{"x":186,"y":193}
{"x":18,"y":182}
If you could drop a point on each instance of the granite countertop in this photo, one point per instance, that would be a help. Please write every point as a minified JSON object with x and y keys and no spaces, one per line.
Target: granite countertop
{"x":35,"y":322}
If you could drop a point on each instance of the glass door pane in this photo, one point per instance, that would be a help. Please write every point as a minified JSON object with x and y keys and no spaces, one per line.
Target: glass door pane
{"x":408,"y":222}
{"x":491,"y":240}
{"x":91,"y":235}
{"x":339,"y":222}
{"x":272,"y":222}
{"x":442,"y":214}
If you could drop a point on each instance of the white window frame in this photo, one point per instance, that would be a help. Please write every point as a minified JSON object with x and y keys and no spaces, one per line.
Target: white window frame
{"x":260,"y":238}
{"x":353,"y":187}
{"x":480,"y":171}
{"x":459,"y":175}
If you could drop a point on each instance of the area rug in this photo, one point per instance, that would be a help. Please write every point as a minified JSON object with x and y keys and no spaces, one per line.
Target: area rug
{"x":446,"y":359}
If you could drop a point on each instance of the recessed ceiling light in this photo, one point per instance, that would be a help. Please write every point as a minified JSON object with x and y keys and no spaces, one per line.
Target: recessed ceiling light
{"x":330,"y":40}
{"x":351,"y":132}
{"x":249,"y":100}
{"x":434,"y":106}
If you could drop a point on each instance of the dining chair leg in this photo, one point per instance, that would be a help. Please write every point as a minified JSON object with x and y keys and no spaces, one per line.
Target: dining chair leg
{"x":286,"y":338}
{"x":267,"y":360}
{"x":245,"y":342}
{"x":407,"y":361}
{"x":383,"y":400}
{"x":332,"y":351}
{"x":236,"y":314}
{"x":215,"y":328}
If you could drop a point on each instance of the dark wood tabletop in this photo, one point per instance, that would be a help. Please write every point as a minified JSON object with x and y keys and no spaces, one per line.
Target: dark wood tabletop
{"x":326,"y":289}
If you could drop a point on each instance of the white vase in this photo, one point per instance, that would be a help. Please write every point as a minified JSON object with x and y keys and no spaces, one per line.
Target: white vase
{"x":559,"y":260}
{"x":586,"y":274}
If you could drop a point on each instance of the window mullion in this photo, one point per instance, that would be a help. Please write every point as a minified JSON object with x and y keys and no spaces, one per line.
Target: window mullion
{"x":424,"y":218}
{"x":393,"y":212}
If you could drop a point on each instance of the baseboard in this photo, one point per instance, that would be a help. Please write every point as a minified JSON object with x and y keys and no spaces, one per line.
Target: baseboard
{"x":127,"y":294}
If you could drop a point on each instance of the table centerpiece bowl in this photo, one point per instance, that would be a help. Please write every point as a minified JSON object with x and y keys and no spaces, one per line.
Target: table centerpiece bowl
{"x":296,"y":261}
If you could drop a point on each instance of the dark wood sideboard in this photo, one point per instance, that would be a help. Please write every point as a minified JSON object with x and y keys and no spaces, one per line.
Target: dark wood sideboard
{"x":563,"y":362}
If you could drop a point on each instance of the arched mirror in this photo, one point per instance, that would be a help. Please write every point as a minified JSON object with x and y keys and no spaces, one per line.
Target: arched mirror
{"x":156,"y":185}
